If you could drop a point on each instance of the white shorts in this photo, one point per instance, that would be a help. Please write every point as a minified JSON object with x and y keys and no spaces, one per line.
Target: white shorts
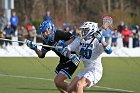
{"x":92,"y":74}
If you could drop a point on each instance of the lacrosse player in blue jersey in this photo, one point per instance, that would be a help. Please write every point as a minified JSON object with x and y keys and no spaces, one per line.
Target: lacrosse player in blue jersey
{"x":89,"y":46}
{"x":66,"y":67}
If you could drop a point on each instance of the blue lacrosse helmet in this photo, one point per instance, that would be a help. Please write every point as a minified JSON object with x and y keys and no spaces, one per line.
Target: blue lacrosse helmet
{"x":47,"y":24}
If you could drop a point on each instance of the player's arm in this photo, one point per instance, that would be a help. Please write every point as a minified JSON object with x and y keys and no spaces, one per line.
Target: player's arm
{"x":66,"y":51}
{"x":64,"y":40}
{"x":67,"y":37}
{"x":101,"y":39}
{"x":41,"y":53}
{"x":72,"y":38}
{"x":74,"y":42}
{"x":107,"y":47}
{"x":69,"y":41}
{"x":73,"y":57}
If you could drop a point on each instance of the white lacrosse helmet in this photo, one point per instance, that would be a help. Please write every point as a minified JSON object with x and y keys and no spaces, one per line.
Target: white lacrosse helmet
{"x":88,"y":28}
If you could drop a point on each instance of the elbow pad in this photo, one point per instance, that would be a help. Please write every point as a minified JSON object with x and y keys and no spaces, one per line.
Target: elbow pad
{"x":108,"y":49}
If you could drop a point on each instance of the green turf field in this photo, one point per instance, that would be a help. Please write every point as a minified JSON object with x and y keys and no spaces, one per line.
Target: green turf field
{"x":34,"y":75}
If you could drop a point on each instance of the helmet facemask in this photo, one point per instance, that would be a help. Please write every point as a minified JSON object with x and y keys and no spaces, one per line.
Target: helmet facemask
{"x":107,"y":21}
{"x":84,"y":31}
{"x":87,"y":29}
{"x":48,"y":35}
{"x":47,"y":31}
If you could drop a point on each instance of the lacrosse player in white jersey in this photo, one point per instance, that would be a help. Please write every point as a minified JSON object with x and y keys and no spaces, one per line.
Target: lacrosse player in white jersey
{"x":89,"y":47}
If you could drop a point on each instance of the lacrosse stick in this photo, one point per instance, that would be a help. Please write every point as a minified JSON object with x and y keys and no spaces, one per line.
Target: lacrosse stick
{"x":23,"y":42}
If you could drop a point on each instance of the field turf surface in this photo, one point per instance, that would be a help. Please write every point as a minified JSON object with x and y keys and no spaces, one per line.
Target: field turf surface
{"x":34,"y":75}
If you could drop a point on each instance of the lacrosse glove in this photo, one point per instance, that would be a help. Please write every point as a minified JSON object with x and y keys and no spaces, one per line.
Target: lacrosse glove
{"x":99,"y":36}
{"x":65,"y":52}
{"x":31,"y":44}
{"x":60,"y":45}
{"x":75,"y":59}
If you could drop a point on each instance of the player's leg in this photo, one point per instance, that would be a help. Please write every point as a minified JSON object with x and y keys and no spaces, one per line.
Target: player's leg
{"x":60,"y":82}
{"x":77,"y":85}
{"x":72,"y":85}
{"x":89,"y":77}
{"x":81,"y":84}
{"x":64,"y":71}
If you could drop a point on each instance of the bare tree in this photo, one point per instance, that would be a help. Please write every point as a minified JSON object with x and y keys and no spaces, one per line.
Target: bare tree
{"x":109,"y":6}
{"x":73,"y":10}
{"x":122,"y":5}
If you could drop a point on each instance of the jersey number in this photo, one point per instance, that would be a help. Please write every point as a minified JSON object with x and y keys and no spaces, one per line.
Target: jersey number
{"x":86,"y":53}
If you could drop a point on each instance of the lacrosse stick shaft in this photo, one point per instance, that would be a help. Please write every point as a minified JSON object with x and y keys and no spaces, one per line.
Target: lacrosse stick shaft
{"x":46,"y":46}
{"x":11,"y":40}
{"x":24,"y":43}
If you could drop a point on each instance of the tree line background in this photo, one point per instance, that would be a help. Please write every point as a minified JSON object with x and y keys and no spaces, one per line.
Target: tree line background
{"x":77,"y":11}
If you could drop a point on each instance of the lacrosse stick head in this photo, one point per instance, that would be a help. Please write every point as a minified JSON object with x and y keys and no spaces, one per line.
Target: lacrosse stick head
{"x":88,"y":28}
{"x":107,"y":22}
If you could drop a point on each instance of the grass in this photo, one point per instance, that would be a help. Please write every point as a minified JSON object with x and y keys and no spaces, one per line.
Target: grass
{"x":119,"y":73}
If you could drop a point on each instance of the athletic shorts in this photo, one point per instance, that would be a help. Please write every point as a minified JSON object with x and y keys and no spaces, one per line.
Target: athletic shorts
{"x":92,"y":74}
{"x":66,"y":67}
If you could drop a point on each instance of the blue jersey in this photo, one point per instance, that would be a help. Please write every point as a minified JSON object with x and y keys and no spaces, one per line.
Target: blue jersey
{"x":58,"y":35}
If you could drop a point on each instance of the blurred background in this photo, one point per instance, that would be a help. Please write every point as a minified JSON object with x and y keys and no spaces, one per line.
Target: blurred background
{"x":19,"y":19}
{"x":76,"y":11}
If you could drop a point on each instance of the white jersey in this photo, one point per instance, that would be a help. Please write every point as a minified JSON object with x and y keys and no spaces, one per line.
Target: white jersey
{"x":92,"y":55}
{"x":91,"y":58}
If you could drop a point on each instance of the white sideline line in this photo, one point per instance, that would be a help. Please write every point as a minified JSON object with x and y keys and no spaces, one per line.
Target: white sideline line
{"x":26,"y":77}
{"x":115,"y":89}
{"x":52,"y":80}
